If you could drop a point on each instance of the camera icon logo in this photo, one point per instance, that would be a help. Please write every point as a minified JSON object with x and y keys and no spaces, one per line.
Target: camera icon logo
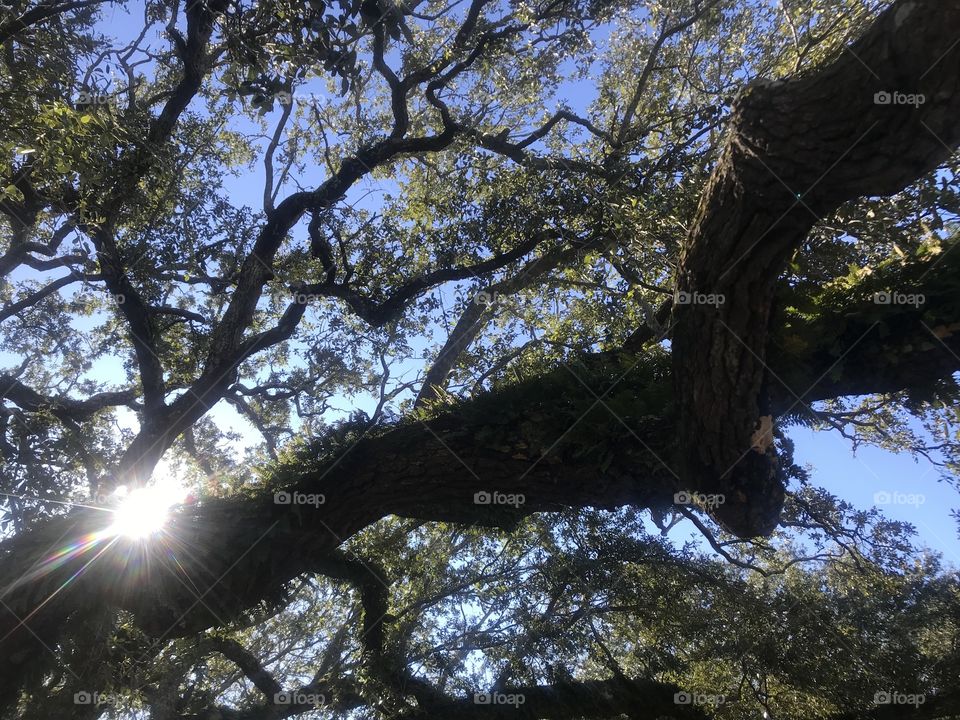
{"x":881,"y":698}
{"x":482,"y":698}
{"x":82,"y":698}
{"x":485,"y":298}
{"x":682,"y":698}
{"x":482,"y":498}
{"x":682,"y":498}
{"x":282,"y":498}
{"x":882,"y":98}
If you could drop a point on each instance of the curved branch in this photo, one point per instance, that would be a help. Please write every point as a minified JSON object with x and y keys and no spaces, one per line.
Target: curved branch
{"x":63,"y":408}
{"x":10,"y":28}
{"x":481,"y":306}
{"x":796,"y":150}
{"x":378,"y":314}
{"x":537,"y":440}
{"x":247,"y":662}
{"x":38,"y":295}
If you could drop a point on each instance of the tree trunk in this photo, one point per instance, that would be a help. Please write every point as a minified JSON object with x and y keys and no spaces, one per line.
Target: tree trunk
{"x":600,"y":433}
{"x":796,"y":150}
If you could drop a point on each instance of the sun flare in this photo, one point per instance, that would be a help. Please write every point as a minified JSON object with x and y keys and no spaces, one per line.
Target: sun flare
{"x":143,"y":512}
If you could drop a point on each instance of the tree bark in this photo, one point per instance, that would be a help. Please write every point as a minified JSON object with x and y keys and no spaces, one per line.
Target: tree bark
{"x":548,"y":439}
{"x":796,"y":150}
{"x":556,"y":440}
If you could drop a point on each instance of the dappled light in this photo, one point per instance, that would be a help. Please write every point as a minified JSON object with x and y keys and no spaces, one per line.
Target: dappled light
{"x":480,"y":359}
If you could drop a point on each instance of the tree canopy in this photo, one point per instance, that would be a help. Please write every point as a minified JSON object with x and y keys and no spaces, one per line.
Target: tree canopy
{"x":473,"y":333}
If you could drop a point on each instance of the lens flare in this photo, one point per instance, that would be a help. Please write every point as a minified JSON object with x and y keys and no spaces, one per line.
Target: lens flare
{"x":143,"y":512}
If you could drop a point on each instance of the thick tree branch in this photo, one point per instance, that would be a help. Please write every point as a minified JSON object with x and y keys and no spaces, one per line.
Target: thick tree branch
{"x":866,"y":347}
{"x":20,"y":249}
{"x":144,"y":334}
{"x":44,"y":11}
{"x":63,"y":408}
{"x":639,"y":698}
{"x":529,"y":440}
{"x":796,"y":150}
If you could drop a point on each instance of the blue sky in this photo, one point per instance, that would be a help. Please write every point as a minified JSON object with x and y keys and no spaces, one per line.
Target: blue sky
{"x":916,"y":493}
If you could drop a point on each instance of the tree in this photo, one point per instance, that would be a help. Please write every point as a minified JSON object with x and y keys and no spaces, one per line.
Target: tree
{"x":772,"y":190}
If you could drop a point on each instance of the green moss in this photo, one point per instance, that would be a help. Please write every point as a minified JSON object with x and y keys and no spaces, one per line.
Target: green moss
{"x":583,"y":409}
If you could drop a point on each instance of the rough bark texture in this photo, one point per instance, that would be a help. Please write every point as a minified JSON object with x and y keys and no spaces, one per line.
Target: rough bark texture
{"x":240,"y":551}
{"x":553,"y":439}
{"x":796,"y":150}
{"x":548,"y":439}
